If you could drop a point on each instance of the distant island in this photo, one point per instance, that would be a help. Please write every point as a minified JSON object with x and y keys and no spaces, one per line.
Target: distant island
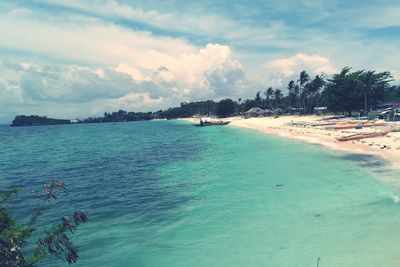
{"x":34,"y":120}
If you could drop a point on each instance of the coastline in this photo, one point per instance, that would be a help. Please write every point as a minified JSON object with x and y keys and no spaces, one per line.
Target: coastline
{"x":386,"y":147}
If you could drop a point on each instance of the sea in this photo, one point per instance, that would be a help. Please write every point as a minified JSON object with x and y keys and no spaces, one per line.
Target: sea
{"x":165,"y":193}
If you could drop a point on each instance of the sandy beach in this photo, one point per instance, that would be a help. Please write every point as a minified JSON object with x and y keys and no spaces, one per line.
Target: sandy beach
{"x":299,"y":127}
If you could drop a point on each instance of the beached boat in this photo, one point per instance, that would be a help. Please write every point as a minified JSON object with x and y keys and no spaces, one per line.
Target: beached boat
{"x":334,"y":118}
{"x":356,"y":125}
{"x":322,"y":124}
{"x":359,"y":136}
{"x":366,"y":118}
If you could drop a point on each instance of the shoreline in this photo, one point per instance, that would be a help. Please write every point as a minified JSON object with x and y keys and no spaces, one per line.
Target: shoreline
{"x":386,"y":147}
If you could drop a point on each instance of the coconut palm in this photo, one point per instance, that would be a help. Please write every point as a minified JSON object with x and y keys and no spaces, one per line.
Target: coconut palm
{"x":278,"y":97}
{"x":304,"y":78}
{"x":268,"y":95}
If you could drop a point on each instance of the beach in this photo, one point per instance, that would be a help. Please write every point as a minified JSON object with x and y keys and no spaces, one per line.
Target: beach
{"x":300,"y":127}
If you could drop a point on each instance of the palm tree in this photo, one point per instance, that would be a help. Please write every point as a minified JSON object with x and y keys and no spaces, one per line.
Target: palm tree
{"x":304,"y":78}
{"x":292,"y":93}
{"x":368,"y":82}
{"x":373,"y":83}
{"x":258,"y":99}
{"x":277,"y":96}
{"x":315,"y":86}
{"x":268,"y":94}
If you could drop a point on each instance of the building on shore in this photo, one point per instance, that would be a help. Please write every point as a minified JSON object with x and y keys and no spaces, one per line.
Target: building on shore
{"x":257,"y":112}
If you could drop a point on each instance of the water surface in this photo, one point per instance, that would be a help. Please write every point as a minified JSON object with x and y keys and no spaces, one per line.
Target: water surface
{"x":165,"y":193}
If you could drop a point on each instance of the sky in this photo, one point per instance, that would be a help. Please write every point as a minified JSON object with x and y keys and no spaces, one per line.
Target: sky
{"x":79,"y":58}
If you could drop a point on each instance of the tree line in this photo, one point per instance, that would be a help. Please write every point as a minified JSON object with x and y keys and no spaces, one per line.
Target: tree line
{"x":345,"y":92}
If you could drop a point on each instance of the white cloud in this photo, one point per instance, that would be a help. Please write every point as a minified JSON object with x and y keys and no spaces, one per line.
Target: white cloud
{"x":139,"y":54}
{"x":213,"y":71}
{"x":200,"y":22}
{"x":111,"y":65}
{"x":280,"y":71}
{"x":314,"y":64}
{"x":133,"y":72}
{"x":88,"y":40}
{"x":210,"y":72}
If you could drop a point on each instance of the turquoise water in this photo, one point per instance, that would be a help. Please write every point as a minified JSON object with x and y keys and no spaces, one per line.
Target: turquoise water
{"x":165,"y":193}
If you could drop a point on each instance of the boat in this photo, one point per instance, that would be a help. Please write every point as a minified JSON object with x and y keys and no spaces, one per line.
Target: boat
{"x":334,"y":118}
{"x":366,"y":118}
{"x":211,"y":123}
{"x":359,"y":136}
{"x":356,"y":125}
{"x":322,"y":124}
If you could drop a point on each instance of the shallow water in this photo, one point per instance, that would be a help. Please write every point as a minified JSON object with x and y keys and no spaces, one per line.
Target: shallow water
{"x":168,"y":194}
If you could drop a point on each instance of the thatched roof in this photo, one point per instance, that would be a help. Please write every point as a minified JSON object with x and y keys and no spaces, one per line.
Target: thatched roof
{"x":257,"y":112}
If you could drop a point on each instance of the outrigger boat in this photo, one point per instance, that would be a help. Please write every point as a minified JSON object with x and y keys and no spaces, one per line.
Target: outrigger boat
{"x":211,"y":123}
{"x":354,"y":124}
{"x":359,"y":136}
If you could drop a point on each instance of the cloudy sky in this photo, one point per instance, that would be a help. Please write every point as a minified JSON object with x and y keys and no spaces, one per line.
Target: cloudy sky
{"x":77,"y":58}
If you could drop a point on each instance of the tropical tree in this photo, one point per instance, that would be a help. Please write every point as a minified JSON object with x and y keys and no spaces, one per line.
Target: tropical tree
{"x":268,"y":97}
{"x":278,"y":97}
{"x":258,"y":99}
{"x":392,"y":93}
{"x":302,"y":82}
{"x":292,"y":94}
{"x":313,"y":89}
{"x":374,"y":85}
{"x":226,"y":108}
{"x":349,"y":91}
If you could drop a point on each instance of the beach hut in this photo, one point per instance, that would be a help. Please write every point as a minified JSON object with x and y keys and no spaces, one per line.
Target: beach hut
{"x":257,"y":112}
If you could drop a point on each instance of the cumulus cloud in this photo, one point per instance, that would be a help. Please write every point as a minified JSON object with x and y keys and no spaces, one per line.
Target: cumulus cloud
{"x":213,"y":71}
{"x":210,"y":72}
{"x":281,"y":70}
{"x":107,"y":65}
{"x":69,"y":83}
{"x":70,"y":91}
{"x":314,"y":63}
{"x":133,"y":72}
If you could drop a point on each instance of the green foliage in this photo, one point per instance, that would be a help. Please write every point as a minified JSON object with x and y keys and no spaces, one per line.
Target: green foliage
{"x":349,"y":91}
{"x":189,"y":109}
{"x":292,"y":93}
{"x":392,"y":93}
{"x":226,"y":108}
{"x":248,"y":104}
{"x":14,"y":236}
{"x":278,"y":97}
{"x":34,"y":120}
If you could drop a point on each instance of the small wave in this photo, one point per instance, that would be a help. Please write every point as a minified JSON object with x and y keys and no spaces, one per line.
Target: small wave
{"x":395,"y":199}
